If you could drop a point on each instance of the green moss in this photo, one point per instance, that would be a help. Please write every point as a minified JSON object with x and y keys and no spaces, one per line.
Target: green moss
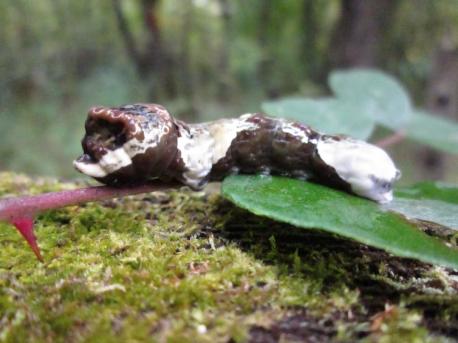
{"x":182,"y":266}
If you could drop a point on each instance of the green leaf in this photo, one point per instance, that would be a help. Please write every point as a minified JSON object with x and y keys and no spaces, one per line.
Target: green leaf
{"x":437,"y":132}
{"x":309,"y":205}
{"x":430,"y":190}
{"x":388,"y":101}
{"x":327,"y":115}
{"x":430,"y":210}
{"x":432,"y":201}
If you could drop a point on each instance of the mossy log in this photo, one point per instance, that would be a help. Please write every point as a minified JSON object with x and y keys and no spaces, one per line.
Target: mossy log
{"x":183,"y":266}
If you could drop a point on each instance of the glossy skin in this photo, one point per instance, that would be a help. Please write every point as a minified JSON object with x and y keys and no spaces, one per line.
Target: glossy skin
{"x":135,"y":143}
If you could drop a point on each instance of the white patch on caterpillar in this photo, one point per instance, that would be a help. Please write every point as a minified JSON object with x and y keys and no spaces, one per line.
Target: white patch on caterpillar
{"x":243,"y":125}
{"x":224,"y":131}
{"x":366,"y":168}
{"x":206,"y":144}
{"x":115,"y":160}
{"x":110,"y":162}
{"x":121,"y":157}
{"x":288,"y":127}
{"x":196,"y":150}
{"x":90,"y":169}
{"x":245,"y":116}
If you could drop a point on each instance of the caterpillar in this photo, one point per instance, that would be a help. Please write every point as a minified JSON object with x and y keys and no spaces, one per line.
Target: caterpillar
{"x":135,"y":143}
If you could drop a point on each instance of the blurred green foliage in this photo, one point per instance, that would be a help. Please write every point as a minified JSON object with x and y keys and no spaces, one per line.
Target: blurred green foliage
{"x":202,"y":59}
{"x":364,"y":99}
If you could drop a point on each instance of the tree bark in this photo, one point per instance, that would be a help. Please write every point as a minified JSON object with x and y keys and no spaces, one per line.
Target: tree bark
{"x":128,"y":38}
{"x":186,"y":75}
{"x":309,"y":48}
{"x":266,"y":63}
{"x":152,"y":62}
{"x":154,"y":53}
{"x":223,"y":65}
{"x":358,"y":33}
{"x":442,"y":100}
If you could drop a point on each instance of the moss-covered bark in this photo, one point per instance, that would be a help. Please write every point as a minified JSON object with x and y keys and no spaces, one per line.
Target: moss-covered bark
{"x":183,"y":266}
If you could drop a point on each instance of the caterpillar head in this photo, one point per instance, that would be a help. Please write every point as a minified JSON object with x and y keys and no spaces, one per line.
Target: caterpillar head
{"x":127,"y":144}
{"x":367,"y":169}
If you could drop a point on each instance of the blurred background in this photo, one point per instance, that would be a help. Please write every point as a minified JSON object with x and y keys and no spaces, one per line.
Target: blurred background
{"x":206,"y":59}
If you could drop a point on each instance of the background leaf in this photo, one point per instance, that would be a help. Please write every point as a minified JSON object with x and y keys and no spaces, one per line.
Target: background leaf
{"x":328,"y":115}
{"x":430,"y":190}
{"x":437,"y":132}
{"x":309,"y":205}
{"x":432,"y":201}
{"x":430,"y":210}
{"x":381,"y":95}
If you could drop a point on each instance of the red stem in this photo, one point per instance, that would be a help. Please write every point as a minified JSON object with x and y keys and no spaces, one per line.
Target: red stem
{"x":28,"y":206}
{"x":391,"y":139}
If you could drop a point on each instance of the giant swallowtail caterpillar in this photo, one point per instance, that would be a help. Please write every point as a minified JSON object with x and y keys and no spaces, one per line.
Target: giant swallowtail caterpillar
{"x":135,"y":143}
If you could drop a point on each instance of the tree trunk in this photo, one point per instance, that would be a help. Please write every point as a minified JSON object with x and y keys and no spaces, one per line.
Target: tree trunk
{"x":152,"y":62}
{"x":264,"y":70}
{"x":154,"y":54}
{"x":309,"y":48}
{"x":442,"y":100}
{"x":128,"y":38}
{"x":358,"y":33}
{"x":186,"y":76}
{"x":159,"y":60}
{"x":223,"y":65}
